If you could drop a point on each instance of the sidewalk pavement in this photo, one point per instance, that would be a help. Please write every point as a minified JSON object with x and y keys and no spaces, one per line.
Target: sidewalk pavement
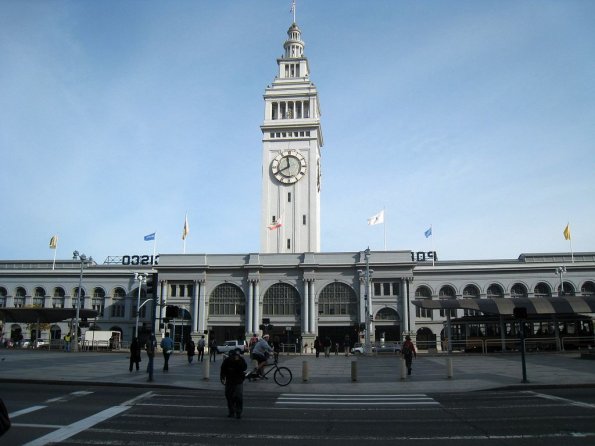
{"x":375,"y":374}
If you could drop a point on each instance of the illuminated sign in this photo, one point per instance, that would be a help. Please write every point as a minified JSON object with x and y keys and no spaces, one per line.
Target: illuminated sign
{"x":140,"y":260}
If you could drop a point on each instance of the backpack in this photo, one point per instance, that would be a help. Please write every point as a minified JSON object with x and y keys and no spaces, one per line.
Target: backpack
{"x":201,"y":343}
{"x":407,"y":350}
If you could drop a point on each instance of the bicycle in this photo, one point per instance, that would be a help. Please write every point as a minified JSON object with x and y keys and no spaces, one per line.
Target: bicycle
{"x":282,"y":375}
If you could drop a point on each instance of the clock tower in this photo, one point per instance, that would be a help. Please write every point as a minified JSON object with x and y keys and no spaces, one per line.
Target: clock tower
{"x":291,"y":142}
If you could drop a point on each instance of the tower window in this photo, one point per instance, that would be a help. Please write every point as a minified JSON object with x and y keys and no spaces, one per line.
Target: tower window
{"x":304,"y":219}
{"x":289,"y":197}
{"x":288,"y":243}
{"x":274,"y":219}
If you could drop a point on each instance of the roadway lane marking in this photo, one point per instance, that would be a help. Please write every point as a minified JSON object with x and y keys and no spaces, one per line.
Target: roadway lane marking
{"x":63,"y":398}
{"x":562,"y":400}
{"x":81,"y":425}
{"x":42,"y":426}
{"x":25,"y":411}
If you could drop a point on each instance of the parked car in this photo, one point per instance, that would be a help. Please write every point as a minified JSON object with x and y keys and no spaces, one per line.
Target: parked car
{"x":386,"y":347}
{"x":240,"y":346}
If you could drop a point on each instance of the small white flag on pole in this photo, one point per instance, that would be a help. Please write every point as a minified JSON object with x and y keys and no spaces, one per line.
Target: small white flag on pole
{"x":376,"y":219}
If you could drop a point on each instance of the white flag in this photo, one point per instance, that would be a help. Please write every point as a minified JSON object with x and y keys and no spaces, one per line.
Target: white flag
{"x":376,"y":219}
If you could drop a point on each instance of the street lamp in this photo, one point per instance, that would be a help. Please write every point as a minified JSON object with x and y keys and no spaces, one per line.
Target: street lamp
{"x":83,"y":259}
{"x":142,"y":278}
{"x":561,"y":270}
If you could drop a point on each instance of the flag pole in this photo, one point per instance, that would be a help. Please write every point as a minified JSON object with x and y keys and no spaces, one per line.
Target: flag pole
{"x":154,"y":248}
{"x":54,"y":263}
{"x":433,"y":250}
{"x":384,"y":224}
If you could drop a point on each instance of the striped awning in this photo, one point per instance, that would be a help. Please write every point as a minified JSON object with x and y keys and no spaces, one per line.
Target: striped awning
{"x":505,"y":306}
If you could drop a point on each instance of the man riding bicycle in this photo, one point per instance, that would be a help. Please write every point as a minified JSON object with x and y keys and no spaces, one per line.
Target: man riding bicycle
{"x":261,"y":353}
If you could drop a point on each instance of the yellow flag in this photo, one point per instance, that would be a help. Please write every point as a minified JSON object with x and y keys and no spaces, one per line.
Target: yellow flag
{"x":186,"y":229}
{"x":567,"y":232}
{"x":54,"y":242}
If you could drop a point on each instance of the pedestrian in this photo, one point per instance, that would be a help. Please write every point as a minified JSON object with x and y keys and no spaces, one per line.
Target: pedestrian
{"x":150,"y":347}
{"x":232,"y":373}
{"x":67,"y":342}
{"x":200,"y":348}
{"x":408,"y":352}
{"x":276,"y":347}
{"x":327,"y":347}
{"x":346,"y":344}
{"x":190,"y":350}
{"x":252,"y":342}
{"x":317,"y":346}
{"x":167,"y":344}
{"x":213,"y":350}
{"x":134,"y":353}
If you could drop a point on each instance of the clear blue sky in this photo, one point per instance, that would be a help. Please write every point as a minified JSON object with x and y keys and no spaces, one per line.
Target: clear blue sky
{"x":119,"y":117}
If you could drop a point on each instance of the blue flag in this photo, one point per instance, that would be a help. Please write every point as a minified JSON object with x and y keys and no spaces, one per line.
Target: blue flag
{"x":428,"y":232}
{"x":150,"y":237}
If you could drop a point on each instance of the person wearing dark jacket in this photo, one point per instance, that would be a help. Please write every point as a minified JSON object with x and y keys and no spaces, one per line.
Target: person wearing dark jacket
{"x":134,"y":353}
{"x":232,"y":373}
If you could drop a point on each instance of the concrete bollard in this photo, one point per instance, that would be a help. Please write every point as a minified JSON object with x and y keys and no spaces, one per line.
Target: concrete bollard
{"x":353,"y":371}
{"x":207,"y":370}
{"x":305,"y":371}
{"x":403,"y":369}
{"x":449,"y":368}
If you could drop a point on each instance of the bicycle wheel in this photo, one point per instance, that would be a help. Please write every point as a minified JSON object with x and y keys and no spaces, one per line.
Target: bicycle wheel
{"x":282,"y":376}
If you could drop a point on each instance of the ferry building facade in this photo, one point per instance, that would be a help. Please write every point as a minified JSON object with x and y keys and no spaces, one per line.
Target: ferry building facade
{"x":289,"y":288}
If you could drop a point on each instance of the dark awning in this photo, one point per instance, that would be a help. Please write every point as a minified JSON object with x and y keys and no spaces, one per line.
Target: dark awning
{"x":505,"y":306}
{"x":43,"y":315}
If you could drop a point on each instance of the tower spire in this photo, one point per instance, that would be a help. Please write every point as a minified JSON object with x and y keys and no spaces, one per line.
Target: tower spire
{"x":293,"y":9}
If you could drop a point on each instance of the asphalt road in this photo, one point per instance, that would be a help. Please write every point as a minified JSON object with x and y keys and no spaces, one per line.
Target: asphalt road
{"x":42,"y":414}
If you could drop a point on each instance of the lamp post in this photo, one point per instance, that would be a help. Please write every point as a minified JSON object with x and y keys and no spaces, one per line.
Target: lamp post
{"x":561,"y":270}
{"x":367,"y":347}
{"x":83,"y":259}
{"x":141,"y":278}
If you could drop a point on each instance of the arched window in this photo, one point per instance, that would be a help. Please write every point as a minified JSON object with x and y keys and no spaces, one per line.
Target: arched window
{"x":518,"y":290}
{"x":447,"y":292}
{"x":3,"y":296}
{"x":542,"y":290}
{"x":588,"y":289}
{"x":495,"y":291}
{"x":337,"y":299}
{"x":425,"y":339}
{"x":567,"y":290}
{"x":471,"y":292}
{"x":58,"y":299}
{"x":281,"y":299}
{"x":19,"y":297}
{"x":39,"y":297}
{"x":75,"y":296}
{"x":98,"y":300}
{"x":387,"y":314}
{"x":118,"y":307}
{"x":55,"y":332}
{"x":423,"y":292}
{"x":227,"y":299}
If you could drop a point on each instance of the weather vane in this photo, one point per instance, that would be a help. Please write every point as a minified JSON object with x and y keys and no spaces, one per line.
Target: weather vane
{"x":292,"y":10}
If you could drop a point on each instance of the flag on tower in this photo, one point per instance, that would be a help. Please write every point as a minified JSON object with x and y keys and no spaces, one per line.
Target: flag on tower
{"x":54,"y":242}
{"x":376,"y":219}
{"x":567,"y":232}
{"x":275,"y":225}
{"x":150,"y":237}
{"x":186,"y":229}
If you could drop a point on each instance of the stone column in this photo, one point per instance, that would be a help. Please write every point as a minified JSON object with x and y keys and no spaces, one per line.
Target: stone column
{"x":306,"y":309}
{"x":249,"y":308}
{"x":202,"y":305}
{"x":195,"y":306}
{"x":313,"y":309}
{"x":256,"y":320}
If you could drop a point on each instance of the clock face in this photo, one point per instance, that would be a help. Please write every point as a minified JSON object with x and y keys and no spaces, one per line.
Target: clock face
{"x":289,"y":166}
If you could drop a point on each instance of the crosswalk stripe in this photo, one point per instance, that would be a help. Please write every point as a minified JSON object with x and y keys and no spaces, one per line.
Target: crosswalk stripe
{"x":353,"y":400}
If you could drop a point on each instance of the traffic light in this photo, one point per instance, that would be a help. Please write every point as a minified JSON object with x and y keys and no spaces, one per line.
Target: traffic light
{"x":151,"y":281}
